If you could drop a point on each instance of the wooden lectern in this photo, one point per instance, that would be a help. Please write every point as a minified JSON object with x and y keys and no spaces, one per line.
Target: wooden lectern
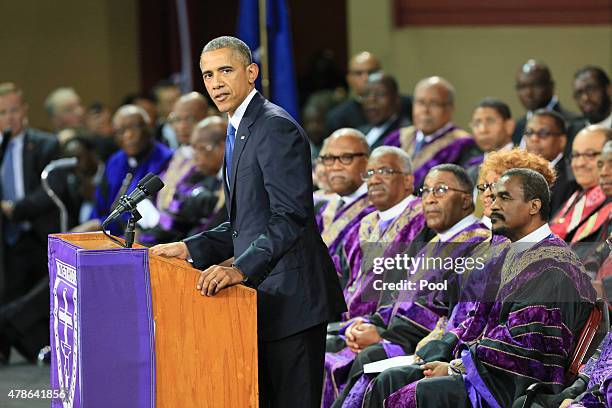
{"x":179,"y":348}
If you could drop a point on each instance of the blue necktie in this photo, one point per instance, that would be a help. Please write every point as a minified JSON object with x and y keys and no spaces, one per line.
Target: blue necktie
{"x":9,"y":192}
{"x":229,"y":151}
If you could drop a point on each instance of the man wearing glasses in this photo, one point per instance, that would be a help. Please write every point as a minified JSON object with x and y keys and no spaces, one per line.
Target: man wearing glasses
{"x":571,"y":223}
{"x":345,"y":161}
{"x":546,"y":136}
{"x":433,"y":139}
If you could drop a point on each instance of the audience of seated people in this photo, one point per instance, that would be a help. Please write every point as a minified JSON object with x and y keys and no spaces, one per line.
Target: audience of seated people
{"x":198,"y":200}
{"x":393,"y":178}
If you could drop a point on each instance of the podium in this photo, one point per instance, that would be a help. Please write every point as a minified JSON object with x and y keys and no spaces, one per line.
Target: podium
{"x":129,"y":329}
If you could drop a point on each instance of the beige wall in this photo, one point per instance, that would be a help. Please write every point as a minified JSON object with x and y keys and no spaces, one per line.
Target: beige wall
{"x":90,"y":45}
{"x":479,"y":61}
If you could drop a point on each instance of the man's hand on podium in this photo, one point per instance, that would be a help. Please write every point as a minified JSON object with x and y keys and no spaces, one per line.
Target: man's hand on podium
{"x":171,"y":250}
{"x":215,"y":278}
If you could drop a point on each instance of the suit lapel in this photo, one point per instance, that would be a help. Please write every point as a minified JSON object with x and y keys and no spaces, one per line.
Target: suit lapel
{"x":28,"y":162}
{"x":243,"y":134}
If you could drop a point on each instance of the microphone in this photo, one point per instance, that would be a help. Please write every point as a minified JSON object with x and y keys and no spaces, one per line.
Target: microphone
{"x":146,"y":187}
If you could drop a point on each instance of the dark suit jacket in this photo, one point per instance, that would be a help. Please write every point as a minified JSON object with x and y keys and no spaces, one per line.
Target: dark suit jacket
{"x":271,"y":230}
{"x":522,"y":123}
{"x":350,"y":114}
{"x":39,"y":148}
{"x":393,"y":126}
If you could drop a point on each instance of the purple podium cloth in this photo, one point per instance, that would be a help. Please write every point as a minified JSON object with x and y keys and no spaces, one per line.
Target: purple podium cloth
{"x":102,"y":330}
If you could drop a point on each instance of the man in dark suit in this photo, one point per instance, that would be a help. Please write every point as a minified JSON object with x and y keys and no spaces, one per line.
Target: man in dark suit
{"x":546,"y":136}
{"x":536,"y":90}
{"x":271,"y":235}
{"x":28,"y":215}
{"x":381,"y":104}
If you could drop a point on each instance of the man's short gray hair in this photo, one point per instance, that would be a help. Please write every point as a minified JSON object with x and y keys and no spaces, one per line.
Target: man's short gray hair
{"x":403,"y":157}
{"x":235,"y":44}
{"x":127,"y":110}
{"x":56,"y":97}
{"x":354,"y":133}
{"x":436,"y":80}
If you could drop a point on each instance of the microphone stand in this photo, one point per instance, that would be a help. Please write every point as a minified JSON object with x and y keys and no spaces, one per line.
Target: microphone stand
{"x":130,"y":230}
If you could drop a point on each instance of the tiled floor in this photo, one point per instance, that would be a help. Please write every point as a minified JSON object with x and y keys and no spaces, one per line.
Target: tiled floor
{"x":19,"y":375}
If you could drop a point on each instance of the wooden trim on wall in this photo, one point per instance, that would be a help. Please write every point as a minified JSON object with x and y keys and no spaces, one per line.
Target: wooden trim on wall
{"x":500,"y":12}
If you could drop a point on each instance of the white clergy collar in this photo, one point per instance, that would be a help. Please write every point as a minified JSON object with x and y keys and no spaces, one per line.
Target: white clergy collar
{"x":556,"y":160}
{"x":461,"y":225}
{"x":351,"y":198}
{"x":536,"y":236}
{"x":607,"y":122}
{"x":236,"y":118}
{"x":396,"y":210}
{"x":428,"y":138}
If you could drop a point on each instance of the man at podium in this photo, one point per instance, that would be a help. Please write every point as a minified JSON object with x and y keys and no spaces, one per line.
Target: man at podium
{"x":271,"y":233}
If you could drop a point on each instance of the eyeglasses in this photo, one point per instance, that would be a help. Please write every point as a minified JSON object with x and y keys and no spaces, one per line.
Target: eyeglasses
{"x":541,"y":134}
{"x":430,"y":104}
{"x":587,"y":90}
{"x":484,"y":186}
{"x":346,"y":158}
{"x":586,"y":155}
{"x":136,"y":126}
{"x":439,"y":191}
{"x":385,"y":173}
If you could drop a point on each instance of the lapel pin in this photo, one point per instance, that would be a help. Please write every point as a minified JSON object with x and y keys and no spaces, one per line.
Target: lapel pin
{"x":242,"y":137}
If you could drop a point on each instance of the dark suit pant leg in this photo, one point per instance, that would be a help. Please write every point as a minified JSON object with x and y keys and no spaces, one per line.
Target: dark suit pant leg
{"x":389,"y":381}
{"x":291,"y":370}
{"x":370,"y":354}
{"x":27,"y":297}
{"x":442,"y":392}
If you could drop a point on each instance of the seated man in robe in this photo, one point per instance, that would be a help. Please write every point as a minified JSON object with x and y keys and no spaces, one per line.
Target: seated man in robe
{"x":396,"y":328}
{"x":188,"y":110}
{"x":397,"y":221}
{"x":543,"y":298}
{"x":433,"y":139}
{"x":139,"y":154}
{"x":198,"y":202}
{"x":585,"y":212}
{"x":345,"y":159}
